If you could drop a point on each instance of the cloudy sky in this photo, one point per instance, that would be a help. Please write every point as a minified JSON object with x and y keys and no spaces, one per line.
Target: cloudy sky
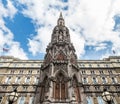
{"x":26,"y":27}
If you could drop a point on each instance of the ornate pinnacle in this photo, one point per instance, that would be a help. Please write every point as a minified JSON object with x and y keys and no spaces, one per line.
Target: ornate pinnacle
{"x":60,"y":20}
{"x":60,"y":15}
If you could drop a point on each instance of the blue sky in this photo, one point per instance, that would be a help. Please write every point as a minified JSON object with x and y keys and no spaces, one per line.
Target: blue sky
{"x":26,"y":27}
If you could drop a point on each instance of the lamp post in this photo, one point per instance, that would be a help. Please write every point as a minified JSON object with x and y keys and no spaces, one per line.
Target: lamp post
{"x":12,"y":97}
{"x":107,"y":96}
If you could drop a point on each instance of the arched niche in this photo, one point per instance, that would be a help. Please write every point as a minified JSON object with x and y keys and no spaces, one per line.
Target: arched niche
{"x":76,"y":89}
{"x":60,"y":89}
{"x":44,"y":88}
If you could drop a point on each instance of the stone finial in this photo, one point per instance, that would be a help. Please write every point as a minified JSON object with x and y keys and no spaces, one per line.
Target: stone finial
{"x":60,"y":15}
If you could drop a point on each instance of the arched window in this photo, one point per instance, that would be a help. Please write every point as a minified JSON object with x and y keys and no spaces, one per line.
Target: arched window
{"x":0,"y":99}
{"x":103,"y":80}
{"x":31,"y":101}
{"x":8,"y":80}
{"x":100,"y":100}
{"x":76,"y":89}
{"x":94,"y":80}
{"x":89,"y":100}
{"x":44,"y":89}
{"x":21,"y":100}
{"x":60,"y":87}
{"x":85,"y":80}
{"x":36,"y":80}
{"x":27,"y":80}
{"x":113,"y":80}
{"x":17,"y":80}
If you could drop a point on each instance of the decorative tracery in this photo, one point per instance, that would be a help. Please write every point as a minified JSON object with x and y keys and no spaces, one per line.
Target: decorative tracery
{"x":61,"y":56}
{"x":60,"y":87}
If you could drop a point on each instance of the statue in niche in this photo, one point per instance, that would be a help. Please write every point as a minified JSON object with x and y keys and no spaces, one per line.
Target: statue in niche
{"x":55,"y":34}
{"x":64,"y":31}
{"x":60,"y":36}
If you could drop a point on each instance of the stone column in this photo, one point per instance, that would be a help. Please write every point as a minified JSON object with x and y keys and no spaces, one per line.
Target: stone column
{"x":50,"y":91}
{"x":52,"y":69}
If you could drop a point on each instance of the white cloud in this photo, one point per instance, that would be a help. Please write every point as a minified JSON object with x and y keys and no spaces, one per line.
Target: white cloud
{"x":38,"y":43}
{"x":11,"y":9}
{"x":101,"y":46}
{"x":16,"y":51}
{"x":6,"y":36}
{"x":95,"y":17}
{"x":78,"y":43}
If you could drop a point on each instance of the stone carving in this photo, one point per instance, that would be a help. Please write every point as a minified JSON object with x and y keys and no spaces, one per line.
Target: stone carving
{"x":59,"y":57}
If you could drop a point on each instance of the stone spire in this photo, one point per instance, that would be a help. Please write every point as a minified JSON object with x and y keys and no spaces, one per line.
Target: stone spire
{"x":60,"y":21}
{"x":59,"y":68}
{"x":60,"y":47}
{"x":60,"y":15}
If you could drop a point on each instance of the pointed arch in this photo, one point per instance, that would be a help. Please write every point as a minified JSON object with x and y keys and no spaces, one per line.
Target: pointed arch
{"x":60,"y":55}
{"x":75,"y":75}
{"x":43,"y":76}
{"x":76,"y":88}
{"x":60,"y":71}
{"x":60,"y":86}
{"x":44,"y":88}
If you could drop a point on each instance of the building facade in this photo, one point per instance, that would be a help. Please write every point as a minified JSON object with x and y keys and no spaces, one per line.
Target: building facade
{"x":60,"y":78}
